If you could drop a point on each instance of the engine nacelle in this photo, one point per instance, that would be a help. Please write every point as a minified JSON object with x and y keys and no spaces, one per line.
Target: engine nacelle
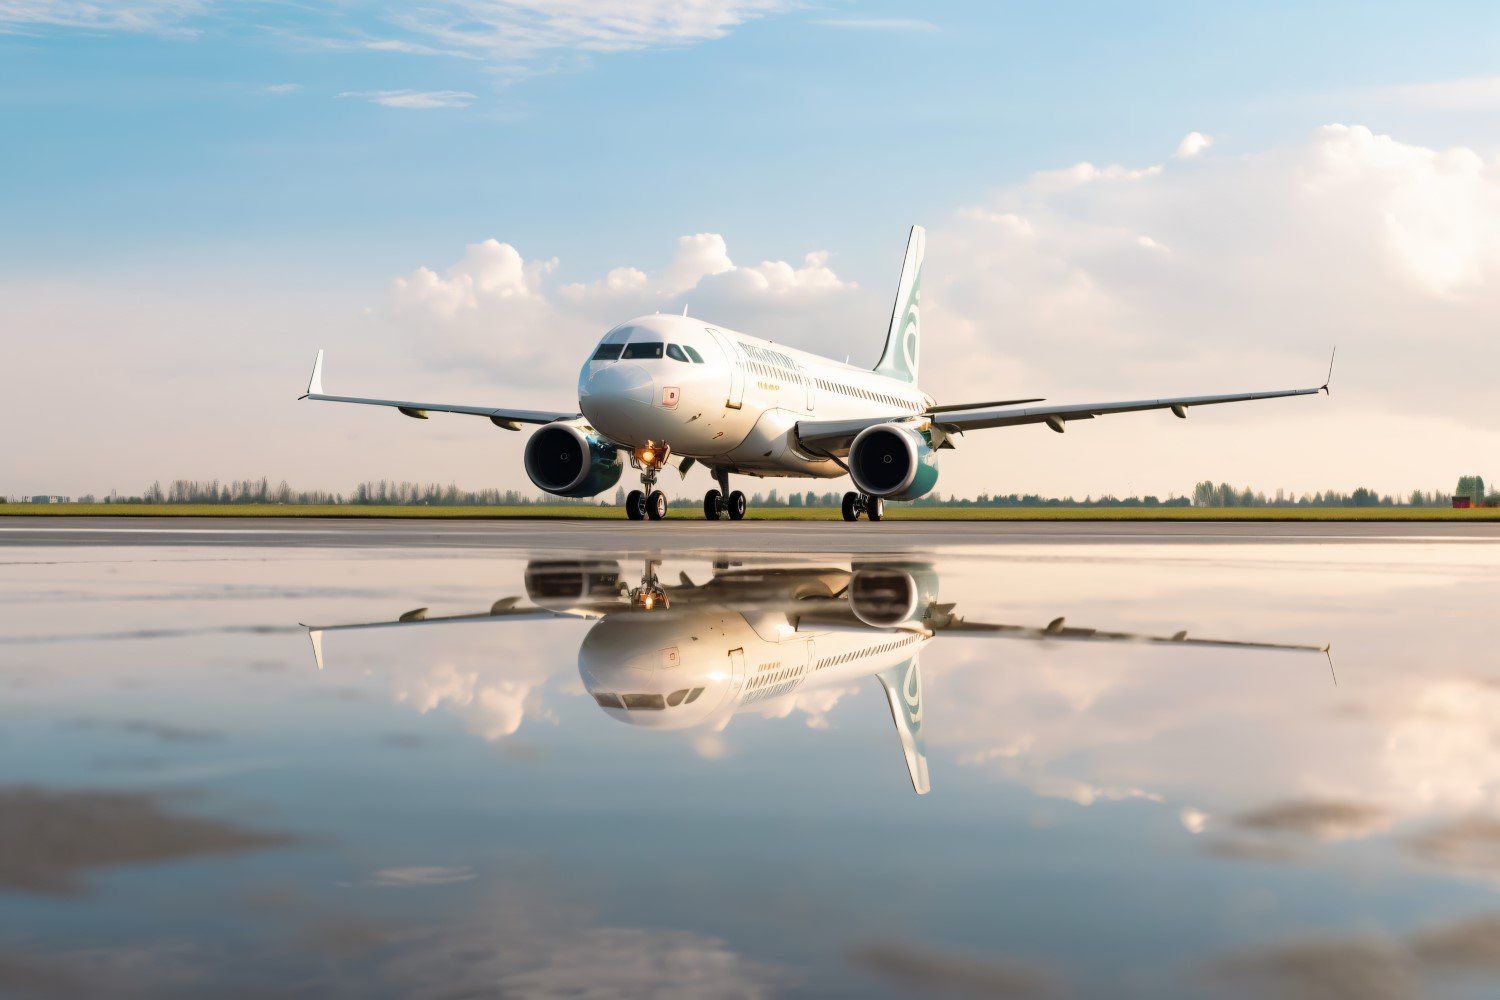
{"x":567,"y":459}
{"x":892,"y":595}
{"x":563,"y":584}
{"x":893,"y":462}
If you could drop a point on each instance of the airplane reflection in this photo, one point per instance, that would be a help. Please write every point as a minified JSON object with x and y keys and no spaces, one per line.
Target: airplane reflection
{"x":688,"y":655}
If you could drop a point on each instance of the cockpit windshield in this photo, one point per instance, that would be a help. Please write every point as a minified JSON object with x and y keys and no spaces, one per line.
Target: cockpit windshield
{"x":608,"y":352}
{"x":643,"y":350}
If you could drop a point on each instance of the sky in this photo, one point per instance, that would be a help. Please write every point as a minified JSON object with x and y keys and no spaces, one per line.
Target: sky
{"x":455,"y":201}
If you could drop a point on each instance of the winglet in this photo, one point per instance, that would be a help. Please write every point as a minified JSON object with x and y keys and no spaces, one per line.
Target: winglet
{"x":315,"y":384}
{"x":316,"y":635}
{"x":1329,"y":379}
{"x":1328,"y":652}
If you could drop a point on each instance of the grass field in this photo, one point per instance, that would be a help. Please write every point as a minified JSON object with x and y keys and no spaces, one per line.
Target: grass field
{"x":894,"y":512}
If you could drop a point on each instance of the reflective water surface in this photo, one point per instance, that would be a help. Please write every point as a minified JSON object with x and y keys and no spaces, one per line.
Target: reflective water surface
{"x":1100,"y":770}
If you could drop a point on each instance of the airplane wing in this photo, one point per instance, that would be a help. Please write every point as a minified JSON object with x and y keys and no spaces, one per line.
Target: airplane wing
{"x":833,"y":437}
{"x":1059,"y":630}
{"x":503,"y":609}
{"x":510,"y":420}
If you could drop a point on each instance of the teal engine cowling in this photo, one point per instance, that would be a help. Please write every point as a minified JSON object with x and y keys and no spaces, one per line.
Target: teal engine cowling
{"x":893,"y":595}
{"x":893,"y":462}
{"x":568,"y":459}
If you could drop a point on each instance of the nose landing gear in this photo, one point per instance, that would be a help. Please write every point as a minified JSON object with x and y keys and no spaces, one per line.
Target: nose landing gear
{"x":652,"y":502}
{"x":856,"y":504}
{"x":723,"y":502}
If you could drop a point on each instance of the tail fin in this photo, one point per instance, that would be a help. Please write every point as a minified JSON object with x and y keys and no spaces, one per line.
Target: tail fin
{"x":903,"y":689}
{"x":903,"y":339}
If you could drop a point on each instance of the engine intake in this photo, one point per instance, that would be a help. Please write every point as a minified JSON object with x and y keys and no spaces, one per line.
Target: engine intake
{"x":569,"y":460}
{"x":892,"y":462}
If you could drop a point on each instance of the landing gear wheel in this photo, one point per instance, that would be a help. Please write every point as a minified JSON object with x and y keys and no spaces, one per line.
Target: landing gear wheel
{"x":635,"y":505}
{"x":851,"y":506}
{"x":656,"y":505}
{"x":875,"y":508}
{"x":736,"y":506}
{"x":711,"y":501}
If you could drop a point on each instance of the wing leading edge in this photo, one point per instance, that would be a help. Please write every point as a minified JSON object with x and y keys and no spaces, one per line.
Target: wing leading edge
{"x":499,"y":416}
{"x":835,"y":436}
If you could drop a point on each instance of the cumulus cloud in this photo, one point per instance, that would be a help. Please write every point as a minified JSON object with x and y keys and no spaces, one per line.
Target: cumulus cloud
{"x":491,"y":708}
{"x":415,"y":99}
{"x":1239,"y":273}
{"x":1192,"y":144}
{"x":496,"y":308}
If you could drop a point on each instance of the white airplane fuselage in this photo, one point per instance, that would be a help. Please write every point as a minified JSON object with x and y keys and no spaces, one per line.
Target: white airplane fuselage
{"x":735,"y":410}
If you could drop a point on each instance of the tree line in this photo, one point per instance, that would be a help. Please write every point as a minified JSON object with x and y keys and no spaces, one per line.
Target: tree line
{"x":386,"y":492}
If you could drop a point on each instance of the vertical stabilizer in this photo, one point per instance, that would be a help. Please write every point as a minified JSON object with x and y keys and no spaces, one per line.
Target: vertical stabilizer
{"x":903,"y":338}
{"x":903,"y":689}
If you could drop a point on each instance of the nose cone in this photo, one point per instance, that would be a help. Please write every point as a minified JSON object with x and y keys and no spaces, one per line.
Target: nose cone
{"x":613,"y":393}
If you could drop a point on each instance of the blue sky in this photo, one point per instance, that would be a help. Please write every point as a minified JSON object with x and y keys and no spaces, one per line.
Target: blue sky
{"x":195,"y":164}
{"x":800,"y":128}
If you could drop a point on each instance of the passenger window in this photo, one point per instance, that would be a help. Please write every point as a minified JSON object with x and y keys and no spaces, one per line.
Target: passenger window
{"x":697,"y":358}
{"x":693,"y":695}
{"x":675,"y":698}
{"x":675,"y":353}
{"x":643,"y":350}
{"x":607,"y":700}
{"x":608,"y":352}
{"x":652,"y":702}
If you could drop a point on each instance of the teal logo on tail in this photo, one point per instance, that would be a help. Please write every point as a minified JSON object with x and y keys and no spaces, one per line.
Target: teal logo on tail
{"x":903,"y":339}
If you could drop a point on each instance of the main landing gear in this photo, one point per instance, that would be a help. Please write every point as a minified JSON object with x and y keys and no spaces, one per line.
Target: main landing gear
{"x":650,"y":503}
{"x":723,"y":501}
{"x":856,"y":504}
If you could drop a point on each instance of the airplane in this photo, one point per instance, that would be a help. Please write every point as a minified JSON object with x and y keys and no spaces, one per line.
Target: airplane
{"x":677,"y":390}
{"x":690,"y":655}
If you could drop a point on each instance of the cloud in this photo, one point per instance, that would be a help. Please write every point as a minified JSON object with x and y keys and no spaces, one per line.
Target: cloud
{"x":875,"y":23}
{"x":507,"y":30}
{"x":496,"y":308}
{"x":49,"y":839}
{"x":1368,"y":967}
{"x":1325,"y":820}
{"x":283,"y":88}
{"x":418,"y":877}
{"x":144,"y":16}
{"x":420,"y":99}
{"x":1471,"y":843}
{"x":929,"y":971}
{"x":1475,"y":93}
{"x":1192,"y":144}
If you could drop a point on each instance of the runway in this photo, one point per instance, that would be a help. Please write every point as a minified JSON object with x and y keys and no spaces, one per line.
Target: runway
{"x":771,"y":537}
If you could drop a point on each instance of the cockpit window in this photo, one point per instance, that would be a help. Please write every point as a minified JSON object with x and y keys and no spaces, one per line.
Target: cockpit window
{"x":697,"y":358}
{"x":608,"y":352}
{"x":675,"y":698}
{"x":675,"y":353}
{"x":607,"y":700}
{"x":653,"y":702}
{"x":651,"y":349}
{"x":693,"y":695}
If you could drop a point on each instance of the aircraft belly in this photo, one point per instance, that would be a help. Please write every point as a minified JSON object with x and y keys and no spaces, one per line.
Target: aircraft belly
{"x":768,"y":450}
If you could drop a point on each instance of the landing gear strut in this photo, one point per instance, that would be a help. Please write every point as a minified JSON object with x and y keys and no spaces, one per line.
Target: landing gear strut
{"x":651,"y":502}
{"x":856,"y":504}
{"x":723,"y":501}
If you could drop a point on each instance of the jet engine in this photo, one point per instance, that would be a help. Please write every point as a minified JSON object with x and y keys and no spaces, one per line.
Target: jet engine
{"x":893,"y":462}
{"x":563,"y":584}
{"x":891,"y":595}
{"x":568,"y":459}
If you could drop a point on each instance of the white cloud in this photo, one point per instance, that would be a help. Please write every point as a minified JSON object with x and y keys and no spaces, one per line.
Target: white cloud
{"x":1478,"y":93}
{"x":283,"y":88}
{"x":146,"y":16}
{"x":422,"y":99}
{"x":1192,"y":144}
{"x":518,"y":29}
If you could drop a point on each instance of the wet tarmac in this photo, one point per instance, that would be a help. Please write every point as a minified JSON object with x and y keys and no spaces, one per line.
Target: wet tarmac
{"x":394,"y":759}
